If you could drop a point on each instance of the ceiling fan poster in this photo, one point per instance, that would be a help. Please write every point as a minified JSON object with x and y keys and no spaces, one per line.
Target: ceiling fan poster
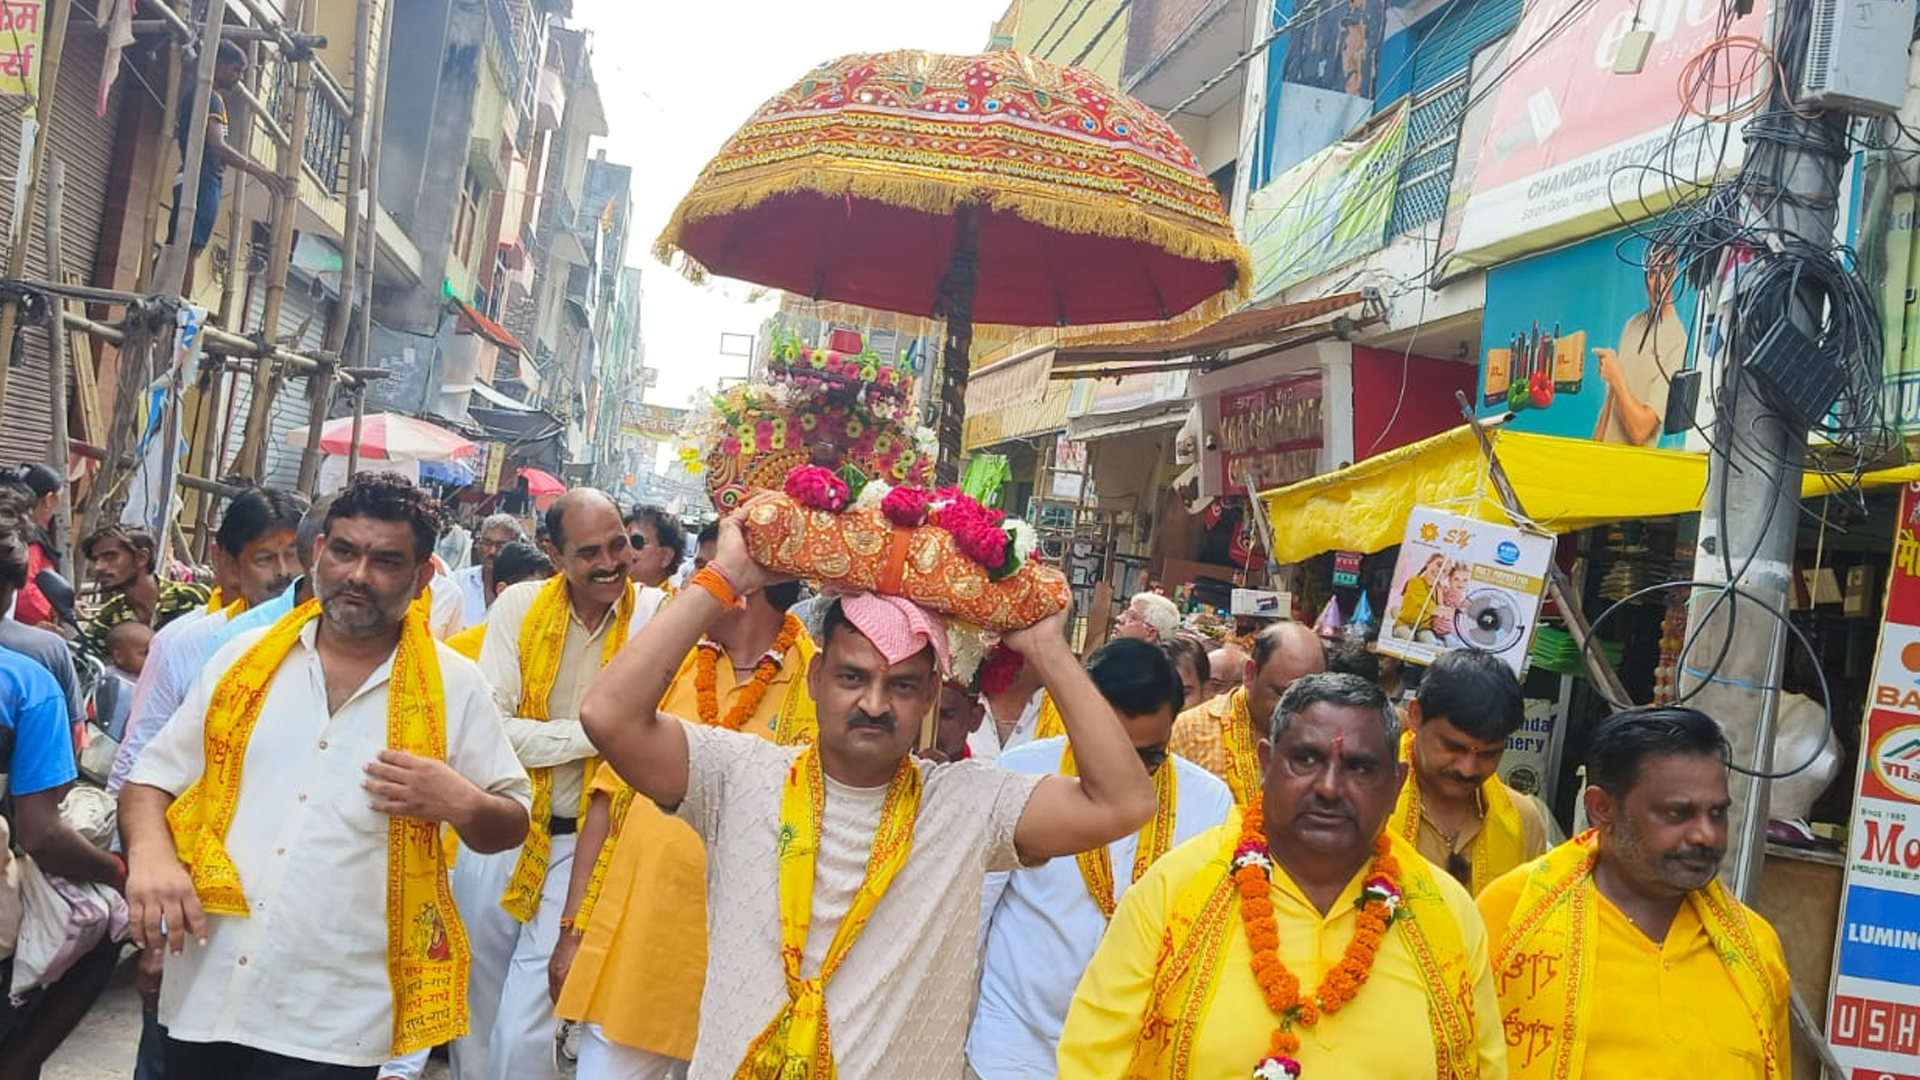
{"x":1464,"y":584}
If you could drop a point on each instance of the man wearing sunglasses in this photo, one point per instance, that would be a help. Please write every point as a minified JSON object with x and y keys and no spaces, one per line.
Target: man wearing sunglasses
{"x":1042,"y":924}
{"x":1454,"y":807}
{"x":658,"y":541}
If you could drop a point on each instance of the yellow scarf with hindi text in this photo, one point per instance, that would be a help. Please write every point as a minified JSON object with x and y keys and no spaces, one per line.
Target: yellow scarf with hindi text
{"x":1548,"y":954}
{"x":1206,"y":915}
{"x":796,"y":724}
{"x":426,"y":943}
{"x":797,"y":1043}
{"x":1237,"y":743}
{"x":1501,"y":843}
{"x":542,"y":635}
{"x":1096,"y":864}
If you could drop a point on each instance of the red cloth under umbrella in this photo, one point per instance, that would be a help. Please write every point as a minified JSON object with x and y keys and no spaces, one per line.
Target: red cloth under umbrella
{"x":996,"y":188}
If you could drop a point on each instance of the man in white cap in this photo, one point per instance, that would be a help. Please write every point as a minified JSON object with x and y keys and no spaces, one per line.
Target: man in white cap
{"x":874,"y":859}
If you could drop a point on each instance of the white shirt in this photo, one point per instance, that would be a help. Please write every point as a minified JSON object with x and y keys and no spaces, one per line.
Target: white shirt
{"x":304,"y":975}
{"x":983,"y":743}
{"x":1041,"y":927}
{"x":473,"y":595}
{"x":898,"y":1005}
{"x":443,"y":615}
{"x":559,"y":743}
{"x":175,"y":655}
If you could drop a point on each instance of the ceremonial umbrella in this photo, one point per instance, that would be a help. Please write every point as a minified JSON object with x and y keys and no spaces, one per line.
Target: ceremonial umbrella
{"x":998,"y":189}
{"x":386,"y":436}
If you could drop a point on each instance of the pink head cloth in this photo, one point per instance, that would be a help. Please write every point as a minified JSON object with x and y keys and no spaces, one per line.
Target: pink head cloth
{"x":897,"y":627}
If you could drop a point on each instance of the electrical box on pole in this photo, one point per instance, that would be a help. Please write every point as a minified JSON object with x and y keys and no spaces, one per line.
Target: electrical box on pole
{"x":1857,"y":56}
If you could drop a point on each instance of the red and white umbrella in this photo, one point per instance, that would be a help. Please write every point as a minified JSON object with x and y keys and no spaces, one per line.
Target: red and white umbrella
{"x":389,"y":437}
{"x":541,"y":483}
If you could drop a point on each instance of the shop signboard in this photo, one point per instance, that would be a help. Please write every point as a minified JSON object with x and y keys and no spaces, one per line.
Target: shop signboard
{"x":20,"y":57}
{"x":1574,"y":345}
{"x":1873,"y":1020}
{"x":1571,"y":147}
{"x":1127,"y":393}
{"x":1900,"y":316}
{"x":1460,"y":584}
{"x":1272,"y":432}
{"x":1346,"y":569}
{"x":1328,"y":72}
{"x":1330,"y":209}
{"x":657,"y":422}
{"x":496,"y":463}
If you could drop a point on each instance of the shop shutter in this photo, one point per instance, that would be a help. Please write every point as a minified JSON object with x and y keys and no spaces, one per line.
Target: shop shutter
{"x":1444,"y":42}
{"x":84,"y":144}
{"x":299,"y":309}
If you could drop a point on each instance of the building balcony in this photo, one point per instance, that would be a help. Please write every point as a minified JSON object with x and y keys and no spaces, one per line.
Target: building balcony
{"x":549,"y":100}
{"x":324,"y":149}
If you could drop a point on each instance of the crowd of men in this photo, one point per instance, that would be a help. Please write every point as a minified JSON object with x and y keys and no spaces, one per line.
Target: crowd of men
{"x":369,"y":805}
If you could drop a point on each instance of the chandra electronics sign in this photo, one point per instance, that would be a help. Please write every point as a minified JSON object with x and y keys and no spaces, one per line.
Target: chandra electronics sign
{"x":1873,"y":1017}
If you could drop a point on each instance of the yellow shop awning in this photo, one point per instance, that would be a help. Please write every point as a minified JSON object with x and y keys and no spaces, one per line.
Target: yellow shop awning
{"x":1564,"y":484}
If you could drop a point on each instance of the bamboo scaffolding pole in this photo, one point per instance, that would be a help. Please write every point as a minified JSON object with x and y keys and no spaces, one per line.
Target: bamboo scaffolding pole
{"x":57,"y":358}
{"x":52,"y":45}
{"x":252,"y":457}
{"x":369,"y":240}
{"x":216,"y":341}
{"x":340,"y":318}
{"x":172,"y":273}
{"x":163,"y":157}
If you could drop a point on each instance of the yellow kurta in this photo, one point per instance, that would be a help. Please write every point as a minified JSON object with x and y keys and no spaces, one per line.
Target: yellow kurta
{"x":1665,"y":1011}
{"x":1433,"y":845}
{"x":1379,"y":1035}
{"x":643,"y":960}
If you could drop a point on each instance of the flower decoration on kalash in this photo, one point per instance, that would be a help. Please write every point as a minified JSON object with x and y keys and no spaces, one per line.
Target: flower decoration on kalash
{"x":831,"y":433}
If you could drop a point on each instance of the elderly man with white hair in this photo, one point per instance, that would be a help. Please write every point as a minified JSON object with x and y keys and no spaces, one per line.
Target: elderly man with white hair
{"x":1148,"y":617}
{"x":476,"y":581}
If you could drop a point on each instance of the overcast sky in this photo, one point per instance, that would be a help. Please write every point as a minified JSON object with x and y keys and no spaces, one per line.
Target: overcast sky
{"x":677,"y":79}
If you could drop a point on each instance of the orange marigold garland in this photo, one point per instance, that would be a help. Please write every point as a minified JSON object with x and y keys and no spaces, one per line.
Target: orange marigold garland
{"x":1379,"y":905}
{"x":706,"y":678}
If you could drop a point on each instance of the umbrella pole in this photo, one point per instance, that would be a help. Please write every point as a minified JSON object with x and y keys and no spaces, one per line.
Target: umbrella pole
{"x":956,"y":307}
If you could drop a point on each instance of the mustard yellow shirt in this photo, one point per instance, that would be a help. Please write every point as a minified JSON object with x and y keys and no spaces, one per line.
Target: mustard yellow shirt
{"x":1665,"y":1011}
{"x":1432,"y":843}
{"x":643,"y":960}
{"x":1379,"y":1035}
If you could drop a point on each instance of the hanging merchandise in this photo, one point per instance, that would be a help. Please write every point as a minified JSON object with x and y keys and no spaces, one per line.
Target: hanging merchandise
{"x":1363,"y":623}
{"x":1461,"y":583}
{"x":983,"y":477}
{"x":1346,"y":569}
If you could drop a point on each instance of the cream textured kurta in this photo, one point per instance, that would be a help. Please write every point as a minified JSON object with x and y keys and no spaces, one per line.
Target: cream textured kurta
{"x":559,"y":743}
{"x":899,"y":1004}
{"x":304,"y":974}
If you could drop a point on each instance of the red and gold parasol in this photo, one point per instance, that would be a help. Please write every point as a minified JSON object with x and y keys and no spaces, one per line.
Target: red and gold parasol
{"x":996,"y":188}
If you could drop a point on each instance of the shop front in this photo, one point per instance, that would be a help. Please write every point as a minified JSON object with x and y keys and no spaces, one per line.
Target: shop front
{"x":1014,"y":414}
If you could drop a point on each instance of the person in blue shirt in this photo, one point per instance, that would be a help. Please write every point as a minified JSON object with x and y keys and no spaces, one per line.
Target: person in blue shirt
{"x":36,"y":770}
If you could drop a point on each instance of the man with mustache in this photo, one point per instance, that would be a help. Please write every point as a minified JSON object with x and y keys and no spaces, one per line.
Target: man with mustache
{"x":1040,"y":925}
{"x":1454,"y":807}
{"x":1618,"y":953}
{"x":844,"y":879}
{"x":637,"y":920}
{"x":311,"y":883}
{"x":255,"y":557}
{"x":545,"y":642}
{"x":1219,"y":735}
{"x":1300,"y":938}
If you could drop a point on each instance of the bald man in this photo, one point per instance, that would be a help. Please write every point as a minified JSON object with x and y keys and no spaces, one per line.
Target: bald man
{"x":1228,"y":667}
{"x":1220,"y":734}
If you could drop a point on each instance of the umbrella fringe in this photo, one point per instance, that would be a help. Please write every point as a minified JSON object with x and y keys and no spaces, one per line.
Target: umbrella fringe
{"x":1040,"y":207}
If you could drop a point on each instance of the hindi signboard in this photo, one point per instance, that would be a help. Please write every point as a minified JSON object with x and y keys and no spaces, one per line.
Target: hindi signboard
{"x":1330,"y":209}
{"x":20,"y":47}
{"x":1873,"y":1019}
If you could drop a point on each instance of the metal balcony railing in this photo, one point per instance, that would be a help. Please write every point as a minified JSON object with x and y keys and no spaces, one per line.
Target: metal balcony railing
{"x":324,"y":149}
{"x":1426,"y":168}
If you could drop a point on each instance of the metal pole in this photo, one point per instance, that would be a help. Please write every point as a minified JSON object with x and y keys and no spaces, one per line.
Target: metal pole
{"x":58,"y":453}
{"x":252,"y":457}
{"x":341,"y":316}
{"x":172,"y":273}
{"x":52,"y":45}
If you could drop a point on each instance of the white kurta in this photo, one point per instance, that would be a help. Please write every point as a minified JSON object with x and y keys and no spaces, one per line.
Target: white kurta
{"x":304,"y":974}
{"x":1041,"y":927}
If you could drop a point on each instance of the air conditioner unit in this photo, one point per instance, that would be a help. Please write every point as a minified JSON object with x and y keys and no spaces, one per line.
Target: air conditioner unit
{"x":1857,"y":56}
